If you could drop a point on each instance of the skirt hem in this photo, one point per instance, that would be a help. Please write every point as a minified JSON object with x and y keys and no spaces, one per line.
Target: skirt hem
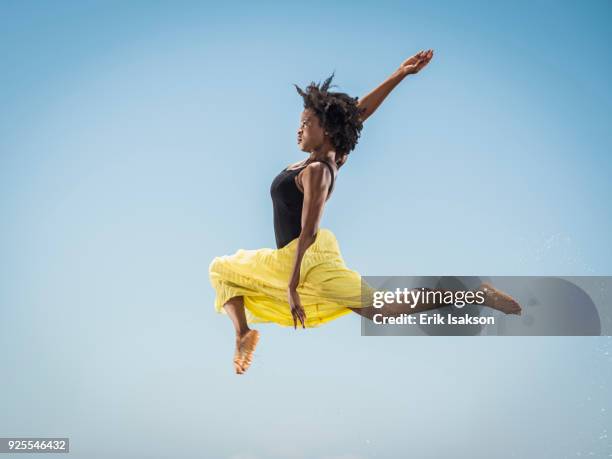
{"x":327,"y":289}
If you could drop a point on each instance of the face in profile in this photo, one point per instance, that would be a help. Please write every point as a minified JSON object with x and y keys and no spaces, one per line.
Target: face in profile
{"x":310,"y":133}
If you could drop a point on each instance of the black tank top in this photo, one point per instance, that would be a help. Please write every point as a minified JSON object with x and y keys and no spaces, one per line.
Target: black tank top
{"x":287,"y":201}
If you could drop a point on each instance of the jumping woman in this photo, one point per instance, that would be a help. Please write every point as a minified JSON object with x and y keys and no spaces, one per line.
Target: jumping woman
{"x":305,"y":280}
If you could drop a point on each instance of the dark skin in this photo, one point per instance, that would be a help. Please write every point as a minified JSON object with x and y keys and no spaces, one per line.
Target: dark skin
{"x":314,"y":181}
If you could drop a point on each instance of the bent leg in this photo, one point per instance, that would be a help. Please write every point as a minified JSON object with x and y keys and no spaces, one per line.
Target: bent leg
{"x":246,"y":339}
{"x":397,"y":309}
{"x":493,"y":298}
{"x":235,"y":310}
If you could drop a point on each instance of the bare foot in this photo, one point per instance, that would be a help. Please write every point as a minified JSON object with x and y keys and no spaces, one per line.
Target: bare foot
{"x":499,"y":300}
{"x":238,"y":358}
{"x":245,"y":347}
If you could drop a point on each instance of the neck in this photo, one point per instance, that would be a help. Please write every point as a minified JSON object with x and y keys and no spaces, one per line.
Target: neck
{"x":324,"y":153}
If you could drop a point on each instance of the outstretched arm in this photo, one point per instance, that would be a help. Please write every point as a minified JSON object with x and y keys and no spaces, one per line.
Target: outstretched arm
{"x":372,"y":101}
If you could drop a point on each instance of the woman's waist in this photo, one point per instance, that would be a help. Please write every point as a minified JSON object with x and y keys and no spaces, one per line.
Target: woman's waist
{"x":325,"y":244}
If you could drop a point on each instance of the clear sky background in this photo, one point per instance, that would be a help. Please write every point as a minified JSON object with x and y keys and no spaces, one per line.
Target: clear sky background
{"x":138,"y":140}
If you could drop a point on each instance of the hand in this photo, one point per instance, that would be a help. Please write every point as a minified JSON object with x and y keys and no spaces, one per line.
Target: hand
{"x":297,"y":311}
{"x":415,"y":63}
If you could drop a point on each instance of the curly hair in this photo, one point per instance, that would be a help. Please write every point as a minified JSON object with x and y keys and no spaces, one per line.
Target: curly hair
{"x":338,"y":113}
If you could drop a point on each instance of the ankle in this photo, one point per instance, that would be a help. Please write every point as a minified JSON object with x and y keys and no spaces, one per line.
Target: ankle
{"x":241,"y":333}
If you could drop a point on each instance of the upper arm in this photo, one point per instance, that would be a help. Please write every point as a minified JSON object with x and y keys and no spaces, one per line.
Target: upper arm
{"x":363,"y":110}
{"x":316,"y":180}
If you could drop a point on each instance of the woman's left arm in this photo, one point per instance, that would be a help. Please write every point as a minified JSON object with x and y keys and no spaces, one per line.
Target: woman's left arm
{"x":369,"y":103}
{"x":316,"y":180}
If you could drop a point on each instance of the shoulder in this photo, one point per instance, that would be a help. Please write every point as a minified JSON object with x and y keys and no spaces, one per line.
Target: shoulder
{"x":318,"y":171}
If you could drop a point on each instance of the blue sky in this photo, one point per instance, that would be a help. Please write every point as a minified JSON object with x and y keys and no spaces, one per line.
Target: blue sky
{"x":138,"y":140}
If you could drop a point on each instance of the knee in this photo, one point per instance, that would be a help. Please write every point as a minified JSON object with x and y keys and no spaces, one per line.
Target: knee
{"x":214,"y":265}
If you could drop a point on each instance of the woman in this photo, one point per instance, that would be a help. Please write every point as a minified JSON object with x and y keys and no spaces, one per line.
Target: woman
{"x":305,"y":279}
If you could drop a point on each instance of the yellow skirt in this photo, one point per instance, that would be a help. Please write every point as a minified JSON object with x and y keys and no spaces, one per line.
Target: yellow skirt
{"x":327,"y":288}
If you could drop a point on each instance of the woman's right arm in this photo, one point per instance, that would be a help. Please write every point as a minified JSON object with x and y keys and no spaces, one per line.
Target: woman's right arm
{"x":369,"y":103}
